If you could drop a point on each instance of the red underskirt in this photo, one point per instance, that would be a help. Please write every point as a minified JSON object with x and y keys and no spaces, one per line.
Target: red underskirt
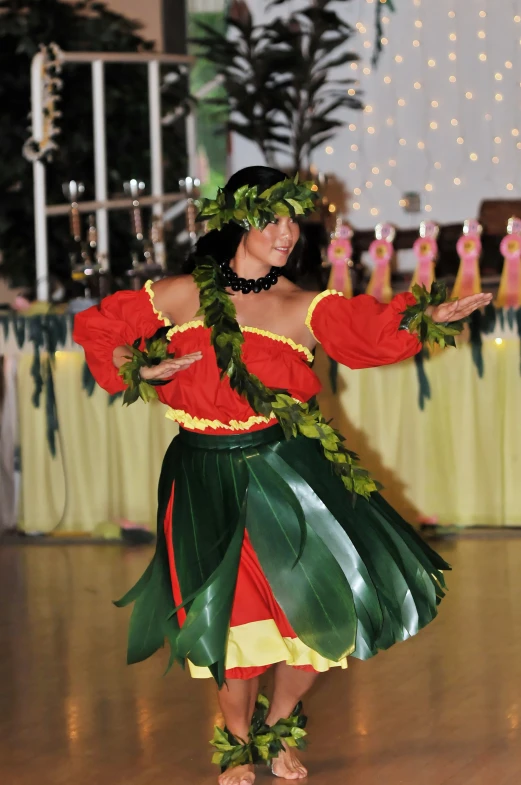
{"x":253,"y":601}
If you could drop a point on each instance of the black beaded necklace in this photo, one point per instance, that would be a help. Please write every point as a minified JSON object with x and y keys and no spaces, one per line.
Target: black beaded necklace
{"x":247,"y":285}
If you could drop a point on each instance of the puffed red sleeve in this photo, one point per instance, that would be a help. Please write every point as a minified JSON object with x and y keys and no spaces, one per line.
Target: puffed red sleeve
{"x":361,"y":332}
{"x":120,"y":319}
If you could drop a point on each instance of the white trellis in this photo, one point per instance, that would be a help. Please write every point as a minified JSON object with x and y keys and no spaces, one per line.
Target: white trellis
{"x":102,"y":202}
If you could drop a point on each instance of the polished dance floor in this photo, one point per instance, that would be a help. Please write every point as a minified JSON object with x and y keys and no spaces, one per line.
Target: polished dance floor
{"x":441,"y":709}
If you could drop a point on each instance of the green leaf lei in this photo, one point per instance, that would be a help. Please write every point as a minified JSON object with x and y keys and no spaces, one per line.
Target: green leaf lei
{"x":230,"y":752}
{"x":155,"y":352}
{"x":264,"y":741}
{"x":416,"y":320}
{"x":247,"y":207}
{"x":296,"y":418}
{"x":267,"y":739}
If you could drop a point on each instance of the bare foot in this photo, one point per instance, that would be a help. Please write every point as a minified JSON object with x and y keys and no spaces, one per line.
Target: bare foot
{"x":287,"y":766}
{"x":240,"y":775}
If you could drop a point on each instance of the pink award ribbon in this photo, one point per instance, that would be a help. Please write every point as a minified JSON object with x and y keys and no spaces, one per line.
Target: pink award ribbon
{"x":468,"y":279}
{"x":381,"y":251}
{"x":426,"y":251}
{"x":339,"y":254}
{"x":509,"y":295}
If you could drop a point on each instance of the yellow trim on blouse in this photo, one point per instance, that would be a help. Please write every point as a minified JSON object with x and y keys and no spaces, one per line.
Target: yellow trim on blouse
{"x":198,"y":424}
{"x":314,"y":304}
{"x":260,"y":643}
{"x":159,"y":314}
{"x":298,"y":347}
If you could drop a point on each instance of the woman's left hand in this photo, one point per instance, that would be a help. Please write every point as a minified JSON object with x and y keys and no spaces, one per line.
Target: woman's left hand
{"x":459,"y":309}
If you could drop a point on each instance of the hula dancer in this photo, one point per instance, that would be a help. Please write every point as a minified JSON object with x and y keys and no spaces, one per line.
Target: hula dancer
{"x":274,"y":548}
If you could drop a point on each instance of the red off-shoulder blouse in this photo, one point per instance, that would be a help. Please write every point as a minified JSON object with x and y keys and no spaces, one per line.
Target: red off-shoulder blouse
{"x":359,"y":333}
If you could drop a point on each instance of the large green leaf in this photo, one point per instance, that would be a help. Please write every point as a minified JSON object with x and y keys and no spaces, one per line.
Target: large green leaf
{"x":313,"y":591}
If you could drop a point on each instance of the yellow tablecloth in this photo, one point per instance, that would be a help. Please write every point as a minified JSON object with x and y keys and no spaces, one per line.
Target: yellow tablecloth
{"x":458,"y":460}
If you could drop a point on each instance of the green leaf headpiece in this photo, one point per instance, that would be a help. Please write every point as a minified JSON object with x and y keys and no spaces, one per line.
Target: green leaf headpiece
{"x":247,"y":207}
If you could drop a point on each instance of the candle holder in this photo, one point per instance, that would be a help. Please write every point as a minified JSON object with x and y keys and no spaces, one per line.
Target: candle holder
{"x":73,"y":192}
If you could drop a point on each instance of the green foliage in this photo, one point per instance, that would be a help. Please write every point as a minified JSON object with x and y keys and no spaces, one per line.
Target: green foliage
{"x":155,"y":351}
{"x":417,"y":321}
{"x":250,"y":208}
{"x":296,"y":418}
{"x":268,"y":740}
{"x":277,"y":78}
{"x":91,"y":26}
{"x":230,"y":751}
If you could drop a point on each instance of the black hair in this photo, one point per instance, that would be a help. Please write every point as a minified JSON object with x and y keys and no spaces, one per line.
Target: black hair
{"x":222,"y":244}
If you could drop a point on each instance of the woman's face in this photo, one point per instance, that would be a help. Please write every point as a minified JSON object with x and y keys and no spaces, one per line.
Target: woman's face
{"x":273,"y":244}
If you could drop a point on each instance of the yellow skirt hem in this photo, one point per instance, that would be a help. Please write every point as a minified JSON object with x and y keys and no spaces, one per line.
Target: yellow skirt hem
{"x":260,"y":643}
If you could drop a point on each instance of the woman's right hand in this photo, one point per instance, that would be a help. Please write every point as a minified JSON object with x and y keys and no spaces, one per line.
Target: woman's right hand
{"x":166,"y":369}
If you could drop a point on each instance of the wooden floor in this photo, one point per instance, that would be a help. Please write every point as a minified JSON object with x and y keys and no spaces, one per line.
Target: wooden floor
{"x":442,"y":709}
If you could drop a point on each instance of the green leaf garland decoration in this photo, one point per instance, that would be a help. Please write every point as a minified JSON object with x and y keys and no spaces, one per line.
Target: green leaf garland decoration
{"x":416,"y":320}
{"x":247,"y":207}
{"x":230,"y":752}
{"x":155,"y":351}
{"x":296,"y":418}
{"x":269,"y":740}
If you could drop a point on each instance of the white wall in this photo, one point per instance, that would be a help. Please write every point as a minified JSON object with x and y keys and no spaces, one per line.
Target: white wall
{"x":431,"y":156}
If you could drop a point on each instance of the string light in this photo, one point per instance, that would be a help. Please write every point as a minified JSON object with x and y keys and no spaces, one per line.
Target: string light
{"x":352,"y":127}
{"x":468,"y":95}
{"x":354,"y":66}
{"x":387,"y":79}
{"x":454,"y":121}
{"x":428,"y":208}
{"x":460,"y":140}
{"x":351,"y":91}
{"x":375,"y":170}
{"x":517,"y":19}
{"x":354,"y":148}
{"x":499,"y":77}
{"x":398,"y":59}
{"x":416,"y":42}
{"x":329,"y":150}
{"x":482,"y":34}
{"x":402,"y":203}
{"x":508,"y":64}
{"x":367,"y":44}
{"x":499,"y":97}
{"x":352,"y":165}
{"x":421,"y":145}
{"x":515,"y":131}
{"x":356,"y":206}
{"x":434,"y":125}
{"x":483,"y":57}
{"x":357,"y":191}
{"x":401,"y":102}
{"x":368,"y":109}
{"x":390,"y":121}
{"x":418,"y":23}
{"x":452,"y":55}
{"x":370,"y":130}
{"x":384,"y":41}
{"x":453,"y":37}
{"x":428,"y":187}
{"x":367,"y":71}
{"x":374,"y":211}
{"x":417,"y":85}
{"x":403,"y":142}
{"x":482,"y":14}
{"x":473,"y":157}
{"x":431,"y":63}
{"x":498,"y":341}
{"x":510,"y":187}
{"x":437,"y":165}
{"x":457,"y":181}
{"x":435,"y":104}
{"x":392,"y":162}
{"x":388,"y":182}
{"x":495,"y":160}
{"x":452,"y":14}
{"x":369,"y":184}
{"x":497,"y":139}
{"x":452,"y":79}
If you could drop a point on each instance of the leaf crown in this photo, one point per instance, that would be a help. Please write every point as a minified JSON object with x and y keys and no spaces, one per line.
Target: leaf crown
{"x":247,"y":207}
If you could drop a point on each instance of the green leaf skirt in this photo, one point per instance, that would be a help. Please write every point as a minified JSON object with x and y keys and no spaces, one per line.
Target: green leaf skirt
{"x":350,"y":578}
